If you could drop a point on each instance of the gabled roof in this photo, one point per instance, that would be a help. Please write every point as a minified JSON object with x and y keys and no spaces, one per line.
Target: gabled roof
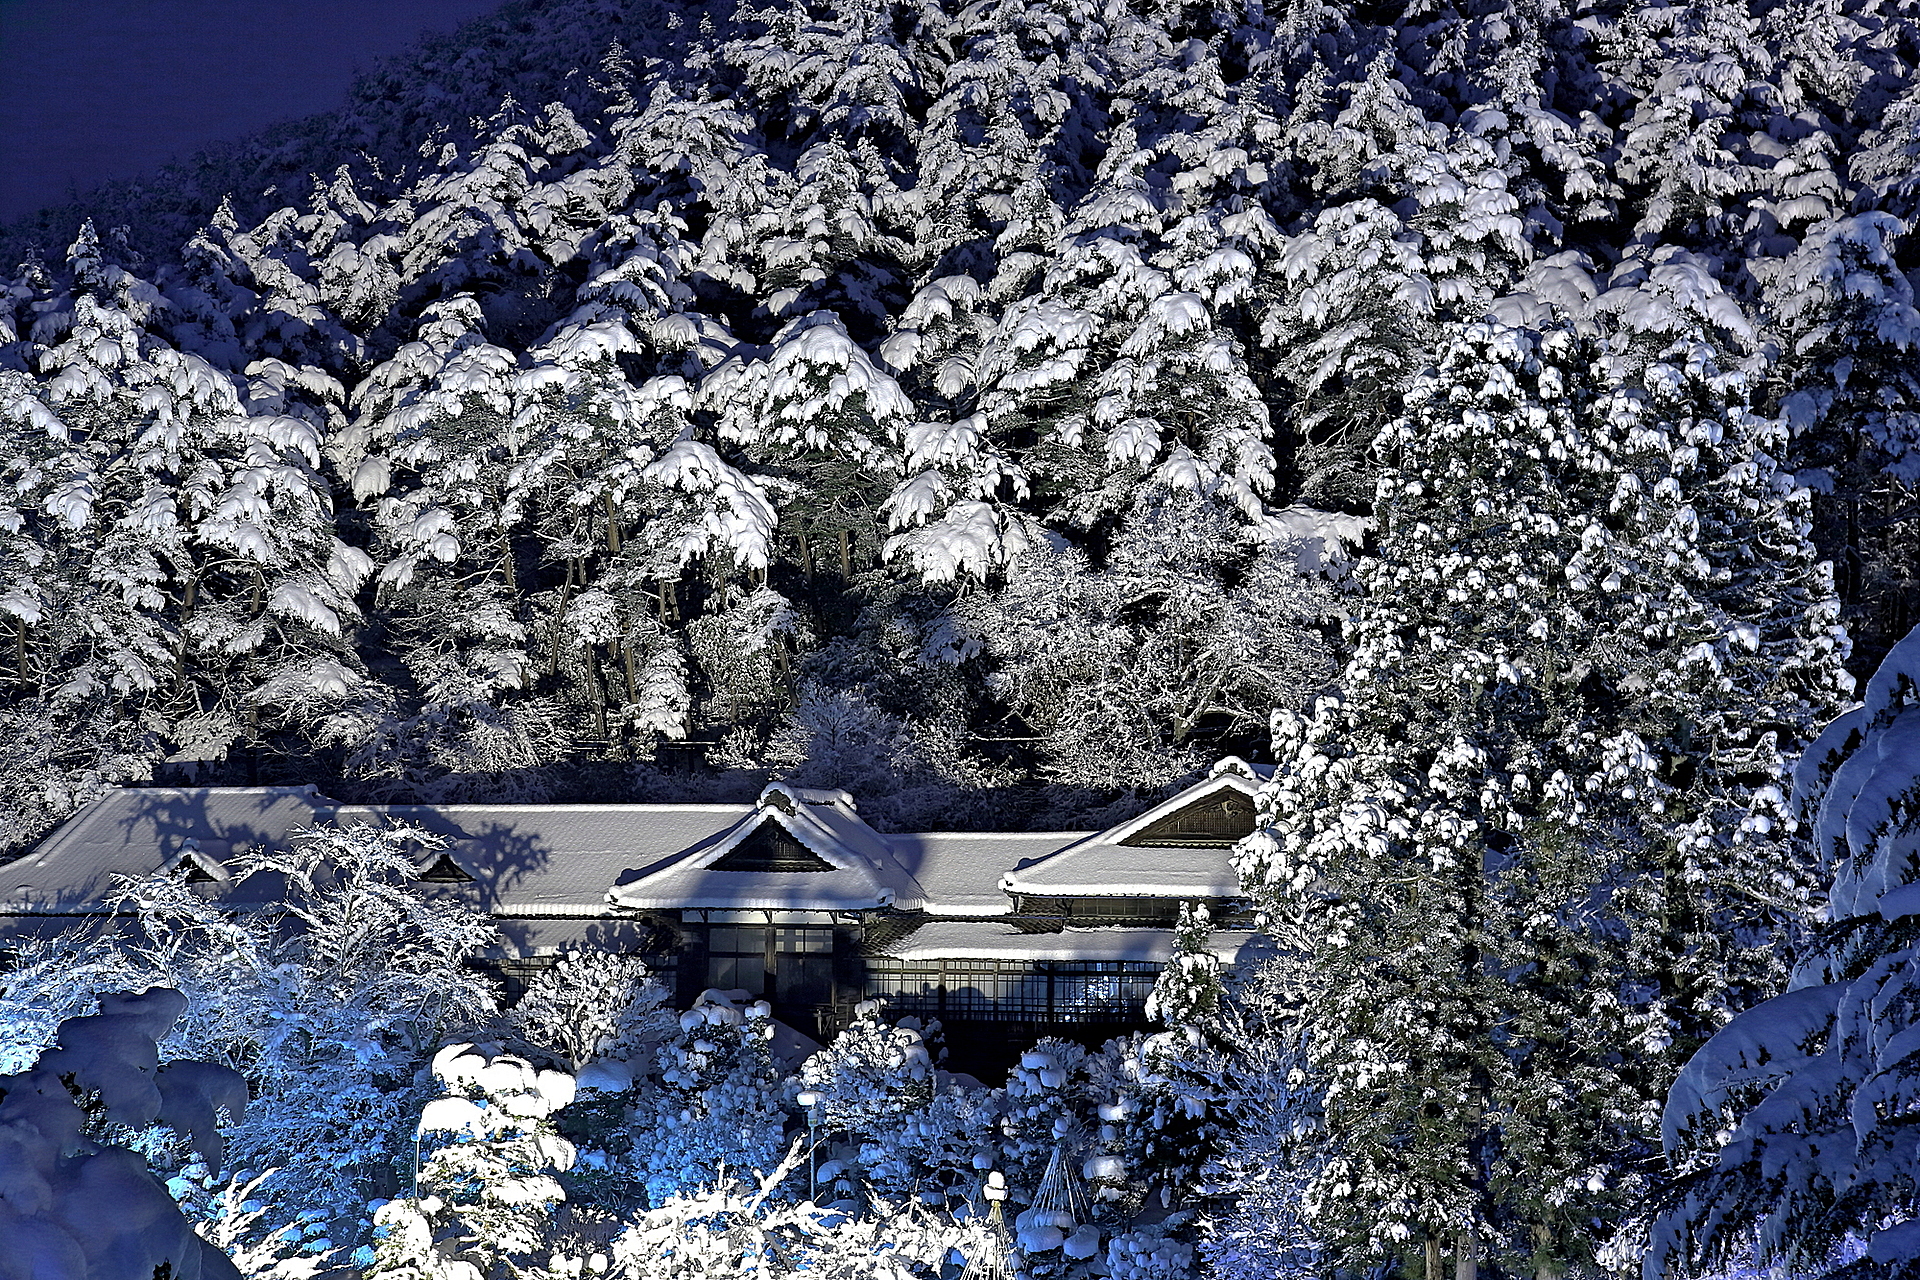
{"x":863,"y":873}
{"x":588,"y":867}
{"x":136,"y":831}
{"x":1113,"y":863}
{"x":531,"y":860}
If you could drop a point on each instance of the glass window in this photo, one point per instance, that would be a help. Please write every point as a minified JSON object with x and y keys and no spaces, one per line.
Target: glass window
{"x":731,"y":973}
{"x":803,"y":941}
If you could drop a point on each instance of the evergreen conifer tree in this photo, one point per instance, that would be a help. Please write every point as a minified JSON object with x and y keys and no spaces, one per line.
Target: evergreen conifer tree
{"x":1539,"y":851}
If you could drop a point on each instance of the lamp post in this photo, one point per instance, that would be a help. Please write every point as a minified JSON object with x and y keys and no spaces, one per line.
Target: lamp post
{"x":811,"y":1101}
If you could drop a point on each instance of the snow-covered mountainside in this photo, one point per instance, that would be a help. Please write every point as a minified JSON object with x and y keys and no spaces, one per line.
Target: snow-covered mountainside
{"x":918,"y":393}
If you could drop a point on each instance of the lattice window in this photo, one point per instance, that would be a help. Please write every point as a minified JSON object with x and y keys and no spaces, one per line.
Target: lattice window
{"x":1016,"y":991}
{"x":1211,"y":822}
{"x":1100,"y":911}
{"x":771,"y":847}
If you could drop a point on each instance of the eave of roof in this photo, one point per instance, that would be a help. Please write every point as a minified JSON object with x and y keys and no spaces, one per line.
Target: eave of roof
{"x":990,"y":940}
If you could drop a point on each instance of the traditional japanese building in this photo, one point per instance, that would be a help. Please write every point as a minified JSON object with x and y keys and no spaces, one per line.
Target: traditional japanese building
{"x":1003,"y":936}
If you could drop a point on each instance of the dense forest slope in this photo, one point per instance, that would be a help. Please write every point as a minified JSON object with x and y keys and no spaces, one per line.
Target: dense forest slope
{"x":930,"y":399}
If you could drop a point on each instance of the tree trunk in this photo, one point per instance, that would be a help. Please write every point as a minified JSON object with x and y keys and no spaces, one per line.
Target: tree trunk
{"x":188,"y":597}
{"x":560,"y":620}
{"x":594,"y":691}
{"x":1466,"y":1259}
{"x":806,"y":556}
{"x":1545,"y":1265}
{"x":613,"y":526}
{"x":1433,"y":1257}
{"x":846,"y":555}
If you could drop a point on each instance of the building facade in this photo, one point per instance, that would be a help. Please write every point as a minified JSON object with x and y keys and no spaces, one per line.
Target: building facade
{"x":1002,"y":936}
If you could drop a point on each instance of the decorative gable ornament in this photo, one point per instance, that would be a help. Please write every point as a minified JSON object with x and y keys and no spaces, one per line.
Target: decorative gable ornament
{"x":197,"y":866}
{"x":1217,"y":820}
{"x":770,"y":847}
{"x":444,"y":870}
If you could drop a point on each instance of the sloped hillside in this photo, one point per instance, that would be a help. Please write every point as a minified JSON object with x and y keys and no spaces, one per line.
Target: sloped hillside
{"x":924,"y":398}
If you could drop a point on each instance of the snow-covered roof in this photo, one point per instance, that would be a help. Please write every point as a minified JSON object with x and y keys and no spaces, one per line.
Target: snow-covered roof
{"x":960,"y":871}
{"x":599,"y":863}
{"x":992,"y":940}
{"x":1116,"y":862}
{"x":854,"y":868}
{"x":530,"y":935}
{"x":137,"y":831}
{"x":554,"y":859}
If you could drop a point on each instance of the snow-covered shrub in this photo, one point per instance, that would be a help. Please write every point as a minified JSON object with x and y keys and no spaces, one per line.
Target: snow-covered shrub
{"x":237,"y":1223}
{"x":50,"y":980}
{"x":1150,"y":1253}
{"x":595,"y":1005}
{"x":73,"y":1204}
{"x":718,"y":1104}
{"x":606,"y":1017}
{"x":939,"y":1153}
{"x":1116,"y":666}
{"x":482,"y":1204}
{"x":753,"y":1229}
{"x":871,"y":1076}
{"x":1158,"y":1119}
{"x":1047,"y":1098}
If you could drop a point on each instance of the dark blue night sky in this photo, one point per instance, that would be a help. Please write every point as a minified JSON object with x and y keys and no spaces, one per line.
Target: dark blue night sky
{"x":99,"y":89}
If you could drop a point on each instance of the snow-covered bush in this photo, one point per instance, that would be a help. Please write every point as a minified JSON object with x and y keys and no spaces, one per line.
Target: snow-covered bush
{"x":330,"y":1011}
{"x":594,"y":1005}
{"x":48,"y":980}
{"x":870,"y":1077}
{"x":1150,"y":1253}
{"x":753,"y":1229}
{"x":1115,"y":667}
{"x":74,"y":1204}
{"x":235,"y":1221}
{"x":482,"y":1203}
{"x":718,"y":1103}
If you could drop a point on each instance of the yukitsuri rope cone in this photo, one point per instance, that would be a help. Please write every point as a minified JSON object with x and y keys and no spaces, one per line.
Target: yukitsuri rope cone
{"x":987,"y":1254}
{"x":1060,"y":1189}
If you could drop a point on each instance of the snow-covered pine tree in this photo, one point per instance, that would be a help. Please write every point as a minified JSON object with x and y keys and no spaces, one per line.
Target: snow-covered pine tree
{"x":1789,"y":1123}
{"x":171,"y":552}
{"x":1416,"y":227}
{"x":1845,"y":382}
{"x":439,"y":417}
{"x":1536,"y":854}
